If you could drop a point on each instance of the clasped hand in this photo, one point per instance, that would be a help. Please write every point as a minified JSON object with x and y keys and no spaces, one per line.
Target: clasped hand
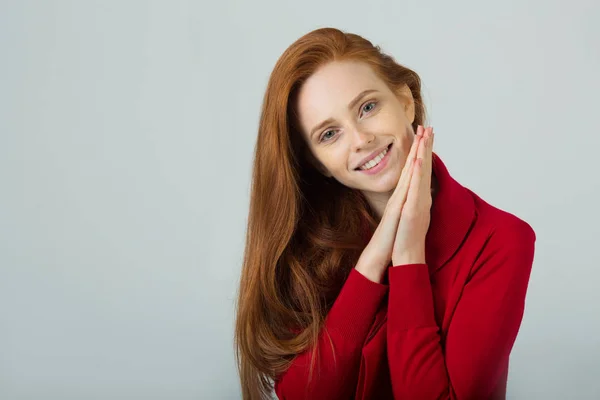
{"x":400,"y":235}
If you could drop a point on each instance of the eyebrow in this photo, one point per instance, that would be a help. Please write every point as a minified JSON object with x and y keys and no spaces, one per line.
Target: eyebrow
{"x":351,"y":105}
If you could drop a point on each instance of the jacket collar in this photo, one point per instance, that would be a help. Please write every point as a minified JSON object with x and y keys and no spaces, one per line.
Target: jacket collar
{"x":453,"y":213}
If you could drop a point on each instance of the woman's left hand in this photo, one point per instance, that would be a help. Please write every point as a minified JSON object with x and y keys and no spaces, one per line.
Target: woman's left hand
{"x":409,"y":246}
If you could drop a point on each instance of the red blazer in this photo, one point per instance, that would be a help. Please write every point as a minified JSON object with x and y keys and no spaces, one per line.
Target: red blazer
{"x":439,"y":330}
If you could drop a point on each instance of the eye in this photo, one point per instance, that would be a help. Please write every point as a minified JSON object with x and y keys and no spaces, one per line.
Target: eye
{"x":366,"y":107}
{"x":325,"y":137}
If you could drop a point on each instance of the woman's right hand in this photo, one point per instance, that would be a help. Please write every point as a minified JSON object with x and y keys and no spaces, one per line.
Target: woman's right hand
{"x":377,"y":254}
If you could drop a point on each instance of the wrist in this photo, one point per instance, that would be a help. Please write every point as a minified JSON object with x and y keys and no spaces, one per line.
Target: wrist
{"x":414,"y":257}
{"x":372,"y":273}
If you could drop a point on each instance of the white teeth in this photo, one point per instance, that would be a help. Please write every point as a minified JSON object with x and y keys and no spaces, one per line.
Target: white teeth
{"x":374,"y":161}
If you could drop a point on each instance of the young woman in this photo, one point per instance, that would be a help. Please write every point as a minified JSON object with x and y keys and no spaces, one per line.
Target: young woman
{"x":369,"y":272}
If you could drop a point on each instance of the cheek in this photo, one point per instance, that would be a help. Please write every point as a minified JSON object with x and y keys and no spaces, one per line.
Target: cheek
{"x":406,"y":140}
{"x":388,"y":121}
{"x":330,"y":159}
{"x":338,"y":158}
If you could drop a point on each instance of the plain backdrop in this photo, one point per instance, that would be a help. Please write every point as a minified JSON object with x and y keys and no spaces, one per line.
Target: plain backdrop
{"x":126,"y":137}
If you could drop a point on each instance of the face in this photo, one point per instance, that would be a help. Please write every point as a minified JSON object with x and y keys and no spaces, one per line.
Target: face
{"x":348,"y":116}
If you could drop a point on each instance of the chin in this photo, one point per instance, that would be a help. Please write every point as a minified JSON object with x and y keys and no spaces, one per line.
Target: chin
{"x":385,"y":186}
{"x":390,"y":180}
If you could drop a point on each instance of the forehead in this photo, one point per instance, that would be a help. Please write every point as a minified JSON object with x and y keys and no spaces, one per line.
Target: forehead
{"x":331,"y":87}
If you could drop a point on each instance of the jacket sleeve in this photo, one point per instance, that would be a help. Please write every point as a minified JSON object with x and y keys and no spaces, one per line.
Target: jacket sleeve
{"x":483,"y":329}
{"x":347,"y":325}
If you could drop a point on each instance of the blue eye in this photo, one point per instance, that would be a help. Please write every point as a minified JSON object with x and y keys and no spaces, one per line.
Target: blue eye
{"x":369,"y":103}
{"x":325,"y":134}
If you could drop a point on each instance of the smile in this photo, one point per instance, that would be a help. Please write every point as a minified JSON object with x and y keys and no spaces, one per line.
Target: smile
{"x":377,"y":163}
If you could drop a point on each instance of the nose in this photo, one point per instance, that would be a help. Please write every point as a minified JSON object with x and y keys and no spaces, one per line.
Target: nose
{"x":361,"y":139}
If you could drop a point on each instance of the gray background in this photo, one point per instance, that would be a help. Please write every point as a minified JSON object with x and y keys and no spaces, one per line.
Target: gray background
{"x":126,"y":137}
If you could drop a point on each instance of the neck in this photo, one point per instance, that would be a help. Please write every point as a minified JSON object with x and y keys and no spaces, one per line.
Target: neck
{"x":378,"y":201}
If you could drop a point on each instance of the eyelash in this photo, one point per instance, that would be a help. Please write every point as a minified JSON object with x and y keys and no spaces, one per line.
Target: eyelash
{"x":329,"y":130}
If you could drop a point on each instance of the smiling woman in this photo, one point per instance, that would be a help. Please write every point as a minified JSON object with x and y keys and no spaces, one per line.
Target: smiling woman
{"x":377,"y":118}
{"x":369,"y":272}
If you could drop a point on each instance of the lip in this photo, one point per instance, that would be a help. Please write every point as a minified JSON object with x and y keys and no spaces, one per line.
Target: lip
{"x":382,"y":164}
{"x":371,"y":156}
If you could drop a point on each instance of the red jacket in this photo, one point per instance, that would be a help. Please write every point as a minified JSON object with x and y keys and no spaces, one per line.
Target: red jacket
{"x":439,"y":330}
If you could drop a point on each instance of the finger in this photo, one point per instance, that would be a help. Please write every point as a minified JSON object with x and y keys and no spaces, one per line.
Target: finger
{"x":427,"y":162}
{"x":417,"y":178}
{"x":422,"y":151}
{"x":391,"y":214}
{"x":407,"y":170}
{"x":413,"y":148}
{"x":398,"y":198}
{"x":414,"y":185}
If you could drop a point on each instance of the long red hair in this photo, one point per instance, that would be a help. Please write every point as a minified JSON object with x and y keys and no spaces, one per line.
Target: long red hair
{"x":305,"y":232}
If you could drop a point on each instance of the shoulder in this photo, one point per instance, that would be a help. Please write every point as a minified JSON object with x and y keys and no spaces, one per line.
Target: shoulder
{"x":501,"y":224}
{"x":508,"y":240}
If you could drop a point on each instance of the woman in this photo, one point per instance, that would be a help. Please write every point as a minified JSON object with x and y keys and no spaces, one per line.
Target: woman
{"x":367,"y":274}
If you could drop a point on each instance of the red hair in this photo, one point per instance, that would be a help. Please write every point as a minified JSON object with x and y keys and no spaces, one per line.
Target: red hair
{"x":305,"y":232}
